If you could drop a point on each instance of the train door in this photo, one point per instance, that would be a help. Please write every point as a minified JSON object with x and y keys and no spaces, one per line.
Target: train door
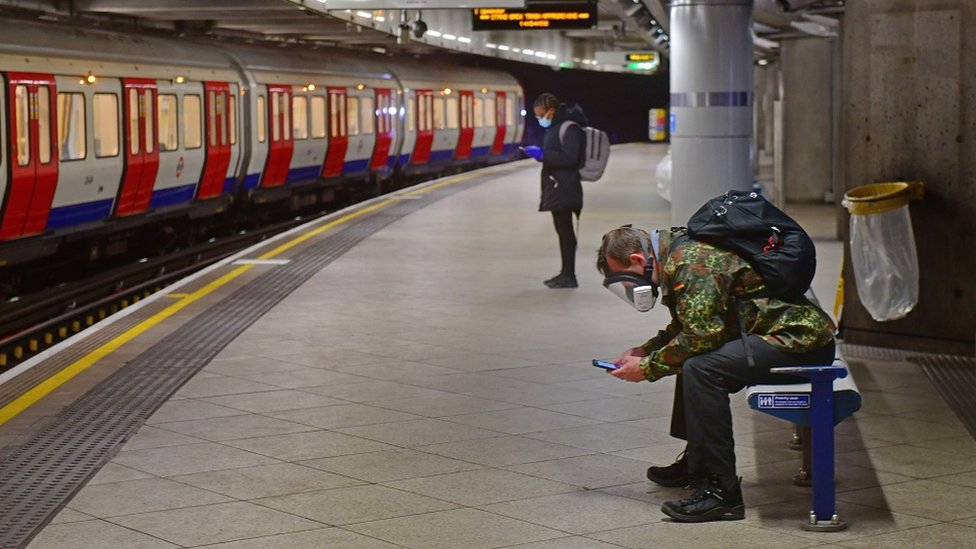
{"x":467,"y":125}
{"x":384,"y":129}
{"x":141,"y":154}
{"x":33,"y":172}
{"x":281,"y":146}
{"x":338,"y":133}
{"x":425,"y":127}
{"x":216,"y":115}
{"x":498,"y":145}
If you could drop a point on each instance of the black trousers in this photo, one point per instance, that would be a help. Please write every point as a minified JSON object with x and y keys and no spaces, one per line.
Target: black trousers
{"x":563,"y":220}
{"x":701,"y":413}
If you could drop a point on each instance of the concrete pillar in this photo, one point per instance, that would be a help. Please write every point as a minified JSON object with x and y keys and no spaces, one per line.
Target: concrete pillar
{"x":711,"y":101}
{"x":807,"y":115}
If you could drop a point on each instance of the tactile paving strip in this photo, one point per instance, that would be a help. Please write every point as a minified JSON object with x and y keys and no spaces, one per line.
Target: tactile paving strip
{"x":39,"y":478}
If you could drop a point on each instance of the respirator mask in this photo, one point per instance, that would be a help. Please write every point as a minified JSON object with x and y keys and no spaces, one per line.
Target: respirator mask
{"x":637,"y":289}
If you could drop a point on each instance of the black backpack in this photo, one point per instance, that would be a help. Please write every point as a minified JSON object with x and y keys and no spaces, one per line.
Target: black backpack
{"x":771,"y":241}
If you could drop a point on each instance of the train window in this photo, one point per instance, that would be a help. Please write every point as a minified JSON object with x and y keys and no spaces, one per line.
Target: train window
{"x":147,"y":101}
{"x":105,"y":107}
{"x":510,"y":112}
{"x":318,"y":116}
{"x":352,"y":116}
{"x":133,"y":121}
{"x":411,"y":116}
{"x":285,"y":116}
{"x":262,"y":119}
{"x":299,"y":110}
{"x":479,"y":113}
{"x":22,"y":102}
{"x":232,"y":118}
{"x":452,"y":113}
{"x":368,"y":115}
{"x":465,"y":112}
{"x":168,"y":123}
{"x":439,"y":113}
{"x":192,"y":123}
{"x":489,"y":113}
{"x":422,"y":113}
{"x":275,"y":116}
{"x":221,"y":105}
{"x":212,"y":118}
{"x":44,"y":124}
{"x":71,"y":126}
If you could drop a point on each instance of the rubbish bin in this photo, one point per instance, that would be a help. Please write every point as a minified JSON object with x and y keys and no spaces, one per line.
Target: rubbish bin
{"x":883,"y":253}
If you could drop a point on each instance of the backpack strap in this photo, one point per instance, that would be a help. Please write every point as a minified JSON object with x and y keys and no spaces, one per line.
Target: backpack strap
{"x":563,"y":127}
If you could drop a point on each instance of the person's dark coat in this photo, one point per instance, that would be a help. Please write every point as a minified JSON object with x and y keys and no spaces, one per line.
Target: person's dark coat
{"x":561,"y":161}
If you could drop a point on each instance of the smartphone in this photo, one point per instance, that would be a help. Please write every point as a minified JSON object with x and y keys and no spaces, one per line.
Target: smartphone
{"x":609,"y":366}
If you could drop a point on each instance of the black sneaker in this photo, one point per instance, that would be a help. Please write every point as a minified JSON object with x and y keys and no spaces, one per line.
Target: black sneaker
{"x":551,"y":280}
{"x":673,"y":476}
{"x":709,"y":502}
{"x":562,"y":281}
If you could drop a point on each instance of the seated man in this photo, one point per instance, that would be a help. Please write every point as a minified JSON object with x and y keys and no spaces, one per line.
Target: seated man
{"x":719,"y":340}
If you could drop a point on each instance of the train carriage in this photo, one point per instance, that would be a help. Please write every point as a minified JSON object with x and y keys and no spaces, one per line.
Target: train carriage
{"x":112,"y":139}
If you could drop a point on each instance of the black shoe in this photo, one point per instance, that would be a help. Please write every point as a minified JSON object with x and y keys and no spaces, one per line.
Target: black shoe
{"x":562,"y":281}
{"x":551,"y":280}
{"x":673,"y":476}
{"x":712,"y":501}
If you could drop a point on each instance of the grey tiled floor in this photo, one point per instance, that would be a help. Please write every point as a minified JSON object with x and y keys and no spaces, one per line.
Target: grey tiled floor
{"x":426,"y":391}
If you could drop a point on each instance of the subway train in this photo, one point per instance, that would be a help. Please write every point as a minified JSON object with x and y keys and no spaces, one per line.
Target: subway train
{"x":112,"y":140}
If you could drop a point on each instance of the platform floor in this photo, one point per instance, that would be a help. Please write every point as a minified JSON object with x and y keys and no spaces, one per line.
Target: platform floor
{"x":425,"y":390}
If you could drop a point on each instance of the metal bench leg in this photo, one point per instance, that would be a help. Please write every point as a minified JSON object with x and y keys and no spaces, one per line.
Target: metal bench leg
{"x":823,"y":517}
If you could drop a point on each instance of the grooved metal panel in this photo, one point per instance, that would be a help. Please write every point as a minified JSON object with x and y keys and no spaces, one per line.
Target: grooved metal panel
{"x":24,"y":382}
{"x":39,"y":478}
{"x":955,"y":379}
{"x":879,"y":353}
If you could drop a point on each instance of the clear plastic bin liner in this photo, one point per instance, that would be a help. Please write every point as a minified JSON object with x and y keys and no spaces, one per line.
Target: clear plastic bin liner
{"x":885,"y":263}
{"x":883,"y":247}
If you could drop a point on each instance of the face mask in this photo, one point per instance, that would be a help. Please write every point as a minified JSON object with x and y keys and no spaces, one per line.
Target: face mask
{"x":545,"y":122}
{"x":637,"y":290}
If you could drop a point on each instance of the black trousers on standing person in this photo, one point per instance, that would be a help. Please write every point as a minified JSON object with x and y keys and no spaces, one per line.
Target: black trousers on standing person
{"x":563,"y":221}
{"x":701,"y":413}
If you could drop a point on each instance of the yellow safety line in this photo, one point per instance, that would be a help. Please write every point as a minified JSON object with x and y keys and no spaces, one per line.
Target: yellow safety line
{"x":31,"y":397}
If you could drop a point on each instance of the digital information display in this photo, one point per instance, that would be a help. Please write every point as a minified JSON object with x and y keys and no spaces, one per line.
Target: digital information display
{"x":549,"y":16}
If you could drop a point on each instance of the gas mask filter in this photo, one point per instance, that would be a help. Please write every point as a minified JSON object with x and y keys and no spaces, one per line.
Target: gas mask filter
{"x":636,"y":289}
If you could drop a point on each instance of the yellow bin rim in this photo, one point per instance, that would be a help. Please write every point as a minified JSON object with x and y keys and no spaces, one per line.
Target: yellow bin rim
{"x":882,"y":197}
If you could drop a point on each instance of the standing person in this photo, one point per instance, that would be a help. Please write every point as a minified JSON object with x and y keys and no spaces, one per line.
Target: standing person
{"x":562,"y":192}
{"x":705,"y":289}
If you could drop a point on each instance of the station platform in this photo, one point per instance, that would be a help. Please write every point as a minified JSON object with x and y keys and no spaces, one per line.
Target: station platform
{"x":397,"y":376}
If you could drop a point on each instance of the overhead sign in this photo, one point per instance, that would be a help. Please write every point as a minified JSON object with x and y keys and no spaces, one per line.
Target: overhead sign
{"x":548,"y":16}
{"x":634,"y":60}
{"x":328,"y":5}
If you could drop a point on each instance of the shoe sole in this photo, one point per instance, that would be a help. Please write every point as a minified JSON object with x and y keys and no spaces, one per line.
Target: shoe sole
{"x":719,"y":513}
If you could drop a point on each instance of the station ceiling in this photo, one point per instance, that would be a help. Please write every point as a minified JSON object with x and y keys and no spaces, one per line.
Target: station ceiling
{"x":622,"y":25}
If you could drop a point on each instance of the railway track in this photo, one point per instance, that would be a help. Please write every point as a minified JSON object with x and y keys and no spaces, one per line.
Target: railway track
{"x":40,"y":320}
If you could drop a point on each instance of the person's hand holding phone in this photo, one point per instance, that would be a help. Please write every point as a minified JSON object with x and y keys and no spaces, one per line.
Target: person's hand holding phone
{"x":628,"y":369}
{"x":533,"y":151}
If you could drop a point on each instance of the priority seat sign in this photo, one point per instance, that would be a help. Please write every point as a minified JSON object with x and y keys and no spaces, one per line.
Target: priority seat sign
{"x":783,"y":401}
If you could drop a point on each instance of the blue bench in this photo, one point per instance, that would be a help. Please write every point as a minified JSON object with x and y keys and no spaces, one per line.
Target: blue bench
{"x":828,"y":399}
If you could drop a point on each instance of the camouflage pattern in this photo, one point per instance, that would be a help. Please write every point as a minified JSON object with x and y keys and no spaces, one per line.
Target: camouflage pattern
{"x":699,"y":285}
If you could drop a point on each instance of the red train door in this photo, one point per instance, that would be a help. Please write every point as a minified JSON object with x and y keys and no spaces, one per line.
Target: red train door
{"x":33,"y":154}
{"x":498,"y":145}
{"x":384,"y":129}
{"x":218,"y":141}
{"x":335,"y":157}
{"x":141,"y":152}
{"x":425,"y":127}
{"x":281,"y":146}
{"x":466,"y":136}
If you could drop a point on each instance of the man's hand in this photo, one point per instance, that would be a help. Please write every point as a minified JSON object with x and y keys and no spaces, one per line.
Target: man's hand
{"x":635,"y":351}
{"x":629,"y":369}
{"x":534,"y":152}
